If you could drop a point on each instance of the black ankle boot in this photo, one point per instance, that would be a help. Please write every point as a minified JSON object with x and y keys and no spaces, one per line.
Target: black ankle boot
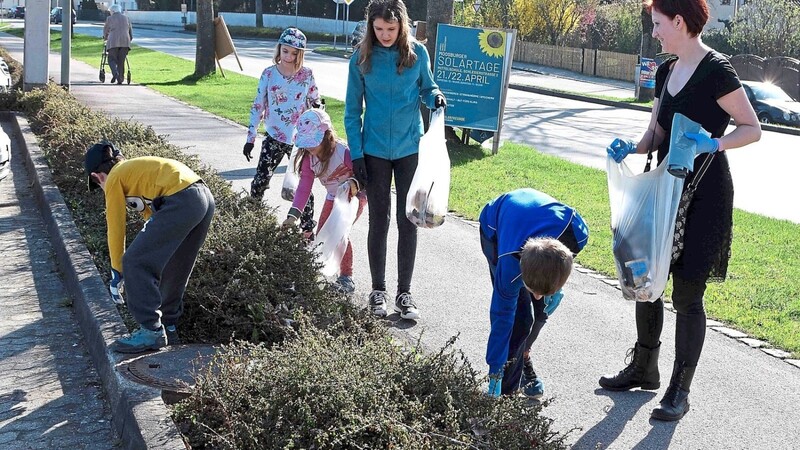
{"x":675,"y":403}
{"x":642,"y":372}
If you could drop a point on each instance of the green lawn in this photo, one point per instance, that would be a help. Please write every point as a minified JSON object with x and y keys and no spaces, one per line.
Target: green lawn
{"x":760,"y":297}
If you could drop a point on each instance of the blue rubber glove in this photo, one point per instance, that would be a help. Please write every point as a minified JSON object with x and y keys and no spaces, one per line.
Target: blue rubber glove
{"x":620,"y":148}
{"x":495,"y":384}
{"x":551,"y":302}
{"x":705,"y":144}
{"x":116,"y":287}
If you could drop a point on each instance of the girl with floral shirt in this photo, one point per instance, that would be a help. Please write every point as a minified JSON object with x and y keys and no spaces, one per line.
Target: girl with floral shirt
{"x":285,"y":90}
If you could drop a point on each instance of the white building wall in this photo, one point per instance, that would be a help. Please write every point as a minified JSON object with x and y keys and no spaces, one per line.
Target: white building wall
{"x":310,"y":24}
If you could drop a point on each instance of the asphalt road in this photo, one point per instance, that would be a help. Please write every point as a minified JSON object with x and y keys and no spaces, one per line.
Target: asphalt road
{"x":742,"y":398}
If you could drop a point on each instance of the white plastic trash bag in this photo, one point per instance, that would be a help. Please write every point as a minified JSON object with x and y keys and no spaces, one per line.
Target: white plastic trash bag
{"x":426,"y":203}
{"x":643,"y":209}
{"x":332,"y":238}
{"x":292,"y":179}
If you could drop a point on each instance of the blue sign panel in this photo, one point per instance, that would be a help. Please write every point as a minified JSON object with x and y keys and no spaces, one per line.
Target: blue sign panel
{"x":469,"y":67}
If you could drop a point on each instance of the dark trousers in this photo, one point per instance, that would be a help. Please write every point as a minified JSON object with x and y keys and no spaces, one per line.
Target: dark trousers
{"x":158,"y":263}
{"x":272,"y":152}
{"x":380,"y":172}
{"x":529,"y":320}
{"x":690,"y":328}
{"x":116,"y":62}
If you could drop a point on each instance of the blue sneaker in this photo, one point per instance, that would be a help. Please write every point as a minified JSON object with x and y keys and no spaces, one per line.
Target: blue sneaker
{"x":531,"y":385}
{"x":142,"y":340}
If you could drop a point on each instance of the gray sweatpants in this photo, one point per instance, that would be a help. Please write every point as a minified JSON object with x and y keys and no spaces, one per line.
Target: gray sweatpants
{"x":159,"y":261}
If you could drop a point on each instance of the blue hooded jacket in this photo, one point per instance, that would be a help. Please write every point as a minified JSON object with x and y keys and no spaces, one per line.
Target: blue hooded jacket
{"x":511,"y":219}
{"x":392,"y":124}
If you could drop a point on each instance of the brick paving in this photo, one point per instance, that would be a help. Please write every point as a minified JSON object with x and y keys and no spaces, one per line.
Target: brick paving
{"x":50,"y":394}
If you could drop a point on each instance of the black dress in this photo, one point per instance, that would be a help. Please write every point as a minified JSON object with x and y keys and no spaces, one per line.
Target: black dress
{"x":709,"y":222}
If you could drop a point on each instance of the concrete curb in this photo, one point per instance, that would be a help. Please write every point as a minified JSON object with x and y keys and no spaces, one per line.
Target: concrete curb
{"x":139,"y":416}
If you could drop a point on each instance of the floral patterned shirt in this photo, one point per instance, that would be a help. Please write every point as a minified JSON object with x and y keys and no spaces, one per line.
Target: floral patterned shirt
{"x":280,"y":101}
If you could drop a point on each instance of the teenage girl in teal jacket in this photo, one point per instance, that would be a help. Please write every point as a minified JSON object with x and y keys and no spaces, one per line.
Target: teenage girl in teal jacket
{"x":390,"y":75}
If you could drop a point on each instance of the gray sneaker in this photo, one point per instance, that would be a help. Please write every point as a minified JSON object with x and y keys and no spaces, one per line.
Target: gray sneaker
{"x":377,"y":303}
{"x":345,"y":285}
{"x":404,"y":305}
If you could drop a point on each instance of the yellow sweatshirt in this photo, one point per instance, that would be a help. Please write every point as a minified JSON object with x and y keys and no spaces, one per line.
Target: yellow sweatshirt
{"x":134,"y":183}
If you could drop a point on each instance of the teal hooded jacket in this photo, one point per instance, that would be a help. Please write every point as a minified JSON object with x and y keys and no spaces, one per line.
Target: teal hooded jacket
{"x":392,"y":124}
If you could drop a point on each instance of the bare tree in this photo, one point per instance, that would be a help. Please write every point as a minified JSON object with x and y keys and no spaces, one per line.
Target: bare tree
{"x":768,"y":28}
{"x":204,"y":56}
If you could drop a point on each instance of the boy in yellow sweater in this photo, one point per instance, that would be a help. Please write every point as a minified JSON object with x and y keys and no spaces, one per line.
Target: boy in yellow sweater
{"x":178,"y":208}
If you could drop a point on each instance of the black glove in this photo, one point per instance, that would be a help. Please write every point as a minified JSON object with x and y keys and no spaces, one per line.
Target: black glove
{"x":360,"y":172}
{"x":440,"y":102}
{"x":248,"y":151}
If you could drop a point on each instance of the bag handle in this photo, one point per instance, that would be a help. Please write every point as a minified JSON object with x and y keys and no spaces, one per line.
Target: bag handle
{"x":700,"y":172}
{"x":658,"y":111}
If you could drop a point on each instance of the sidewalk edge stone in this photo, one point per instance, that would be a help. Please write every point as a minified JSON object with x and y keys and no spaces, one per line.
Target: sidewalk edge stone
{"x":139,"y":416}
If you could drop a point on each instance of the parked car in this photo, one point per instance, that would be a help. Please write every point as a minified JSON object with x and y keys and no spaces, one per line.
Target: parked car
{"x":56,"y":16}
{"x":19,"y":12}
{"x":772,"y":104}
{"x":358,"y":33}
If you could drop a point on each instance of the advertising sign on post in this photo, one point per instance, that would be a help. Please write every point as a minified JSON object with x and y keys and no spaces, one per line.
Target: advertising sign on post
{"x":647,"y":73}
{"x":471,"y":67}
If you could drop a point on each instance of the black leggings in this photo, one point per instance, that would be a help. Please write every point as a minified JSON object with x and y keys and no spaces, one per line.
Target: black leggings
{"x":379,"y":194}
{"x":690,"y":329}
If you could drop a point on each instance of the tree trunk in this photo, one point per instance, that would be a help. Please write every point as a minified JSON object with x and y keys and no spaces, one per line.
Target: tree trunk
{"x":439,"y":11}
{"x":649,"y":49}
{"x":204,"y":57}
{"x":260,"y":14}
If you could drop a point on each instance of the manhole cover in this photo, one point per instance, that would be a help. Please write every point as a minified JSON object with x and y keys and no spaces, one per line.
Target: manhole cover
{"x":171,"y":369}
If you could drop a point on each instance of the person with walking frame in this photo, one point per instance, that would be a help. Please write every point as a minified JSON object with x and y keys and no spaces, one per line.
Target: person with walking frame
{"x":118,"y":34}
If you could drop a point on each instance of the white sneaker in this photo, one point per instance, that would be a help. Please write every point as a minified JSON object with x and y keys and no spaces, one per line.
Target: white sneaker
{"x":377,"y":303}
{"x":404,"y":305}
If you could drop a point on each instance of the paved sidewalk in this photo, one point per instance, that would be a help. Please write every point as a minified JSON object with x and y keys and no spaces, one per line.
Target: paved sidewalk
{"x":586,"y":338}
{"x":50,"y":395}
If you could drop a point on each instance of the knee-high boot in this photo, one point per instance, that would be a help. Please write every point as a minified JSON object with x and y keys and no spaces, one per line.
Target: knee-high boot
{"x":642,"y":372}
{"x":675,"y":403}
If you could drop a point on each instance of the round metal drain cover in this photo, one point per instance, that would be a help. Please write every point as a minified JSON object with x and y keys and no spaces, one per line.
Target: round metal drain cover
{"x":171,"y":369}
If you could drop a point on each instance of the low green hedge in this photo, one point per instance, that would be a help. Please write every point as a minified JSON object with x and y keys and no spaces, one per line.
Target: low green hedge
{"x":304,"y":367}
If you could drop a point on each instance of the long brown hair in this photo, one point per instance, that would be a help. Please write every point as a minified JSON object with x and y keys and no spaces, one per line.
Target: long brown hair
{"x":389,"y":11}
{"x":326,"y":152}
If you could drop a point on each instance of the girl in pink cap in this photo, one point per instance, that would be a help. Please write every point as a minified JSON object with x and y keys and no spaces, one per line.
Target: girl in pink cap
{"x":322,"y":155}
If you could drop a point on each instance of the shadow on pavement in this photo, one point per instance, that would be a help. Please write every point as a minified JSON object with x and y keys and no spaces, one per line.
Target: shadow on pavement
{"x":625,"y":407}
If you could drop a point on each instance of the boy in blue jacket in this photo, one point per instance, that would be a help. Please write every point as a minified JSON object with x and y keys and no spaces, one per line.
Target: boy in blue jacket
{"x":529,"y":240}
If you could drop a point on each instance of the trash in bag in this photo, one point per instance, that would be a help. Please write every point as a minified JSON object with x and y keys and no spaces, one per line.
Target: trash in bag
{"x":335,"y":233}
{"x":426,"y":202}
{"x":643,"y":209}
{"x":291,"y":179}
{"x":682,"y":150}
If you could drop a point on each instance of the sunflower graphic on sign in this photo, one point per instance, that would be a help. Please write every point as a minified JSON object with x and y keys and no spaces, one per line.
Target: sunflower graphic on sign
{"x":492,"y":43}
